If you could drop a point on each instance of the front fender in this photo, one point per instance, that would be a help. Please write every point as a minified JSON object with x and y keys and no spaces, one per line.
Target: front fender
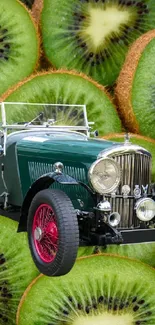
{"x":41,"y":183}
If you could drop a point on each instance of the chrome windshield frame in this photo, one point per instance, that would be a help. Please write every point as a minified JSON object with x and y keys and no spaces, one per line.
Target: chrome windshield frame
{"x":28,"y":126}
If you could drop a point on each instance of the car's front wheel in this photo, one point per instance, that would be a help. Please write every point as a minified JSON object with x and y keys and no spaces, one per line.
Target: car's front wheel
{"x":53,"y":232}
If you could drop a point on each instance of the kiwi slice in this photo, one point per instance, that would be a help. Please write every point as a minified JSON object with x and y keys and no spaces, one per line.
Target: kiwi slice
{"x":19,"y":45}
{"x":64,"y":87}
{"x":143,"y":252}
{"x":93,"y":36}
{"x":17,"y":269}
{"x":135,"y":90}
{"x":98,"y":290}
{"x":146,"y":142}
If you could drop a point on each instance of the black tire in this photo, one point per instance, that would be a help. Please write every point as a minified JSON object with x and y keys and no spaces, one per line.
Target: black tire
{"x":68,"y":232}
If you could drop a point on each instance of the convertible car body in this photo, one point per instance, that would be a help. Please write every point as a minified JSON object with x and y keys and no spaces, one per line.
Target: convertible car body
{"x":71,"y":189}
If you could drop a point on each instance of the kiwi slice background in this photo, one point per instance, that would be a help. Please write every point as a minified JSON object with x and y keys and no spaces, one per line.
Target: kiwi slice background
{"x":135,"y":90}
{"x":144,"y":252}
{"x":68,"y":88}
{"x":93,"y":36}
{"x":98,"y":290}
{"x":145,"y":142}
{"x":19,"y":44}
{"x":17,"y":269}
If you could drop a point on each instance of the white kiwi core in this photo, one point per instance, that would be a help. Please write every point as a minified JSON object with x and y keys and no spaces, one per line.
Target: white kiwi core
{"x":105,"y":319}
{"x":104,"y":22}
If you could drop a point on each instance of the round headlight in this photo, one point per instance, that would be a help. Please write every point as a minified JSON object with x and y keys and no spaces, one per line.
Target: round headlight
{"x":145,"y":209}
{"x":104,"y":175}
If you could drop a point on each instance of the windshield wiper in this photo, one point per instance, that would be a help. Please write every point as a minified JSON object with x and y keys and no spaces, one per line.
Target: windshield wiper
{"x":38,"y":117}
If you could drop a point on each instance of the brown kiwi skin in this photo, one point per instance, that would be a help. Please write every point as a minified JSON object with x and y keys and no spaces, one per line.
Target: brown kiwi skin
{"x":80,"y":258}
{"x":24,"y":296}
{"x":120,"y":135}
{"x":123,"y":88}
{"x":37,"y":9}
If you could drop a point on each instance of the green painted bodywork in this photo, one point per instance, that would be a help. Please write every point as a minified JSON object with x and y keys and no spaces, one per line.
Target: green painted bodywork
{"x":37,"y":155}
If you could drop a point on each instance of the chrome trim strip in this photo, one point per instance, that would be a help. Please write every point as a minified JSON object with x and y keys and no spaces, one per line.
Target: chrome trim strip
{"x":122,"y":150}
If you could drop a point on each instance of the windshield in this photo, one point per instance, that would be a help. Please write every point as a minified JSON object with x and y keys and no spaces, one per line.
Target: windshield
{"x":32,"y":115}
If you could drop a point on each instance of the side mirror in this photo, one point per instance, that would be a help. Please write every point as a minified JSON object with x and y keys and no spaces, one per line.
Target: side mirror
{"x":95,"y":133}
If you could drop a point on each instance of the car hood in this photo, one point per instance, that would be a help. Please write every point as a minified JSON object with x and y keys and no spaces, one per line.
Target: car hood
{"x":63,"y":147}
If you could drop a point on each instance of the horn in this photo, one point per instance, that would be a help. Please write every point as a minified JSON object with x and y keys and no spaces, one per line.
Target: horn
{"x":114,"y":219}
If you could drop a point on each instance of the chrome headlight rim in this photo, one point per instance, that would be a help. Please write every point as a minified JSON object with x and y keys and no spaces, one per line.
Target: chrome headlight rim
{"x":139,"y":204}
{"x":118,"y":179}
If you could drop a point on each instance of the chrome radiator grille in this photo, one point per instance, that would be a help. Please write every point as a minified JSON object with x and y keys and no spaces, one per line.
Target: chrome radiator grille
{"x":136,"y":170}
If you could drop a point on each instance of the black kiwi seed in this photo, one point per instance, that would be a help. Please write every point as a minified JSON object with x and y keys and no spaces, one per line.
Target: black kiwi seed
{"x":7,"y":46}
{"x":121,"y":306}
{"x":2,"y":260}
{"x":4,"y":31}
{"x":87,"y":309}
{"x":115,"y":307}
{"x":5,"y":319}
{"x":79,"y":306}
{"x":69,"y":298}
{"x":134,"y":299}
{"x":146,"y":11}
{"x":83,"y":45}
{"x":140,"y":5}
{"x":129,"y":3}
{"x":135,"y":308}
{"x":141,"y":302}
{"x":65,"y":312}
{"x":100,"y":299}
{"x":95,"y":306}
{"x":92,"y":63}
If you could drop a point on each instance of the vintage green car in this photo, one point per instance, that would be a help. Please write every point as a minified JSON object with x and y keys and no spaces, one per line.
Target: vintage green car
{"x":71,"y":189}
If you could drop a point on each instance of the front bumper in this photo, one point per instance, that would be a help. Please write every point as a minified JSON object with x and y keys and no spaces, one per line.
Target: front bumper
{"x":128,"y":236}
{"x":138,"y":236}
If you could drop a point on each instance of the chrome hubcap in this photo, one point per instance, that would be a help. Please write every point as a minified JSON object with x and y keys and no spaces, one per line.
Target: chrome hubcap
{"x":38,"y":234}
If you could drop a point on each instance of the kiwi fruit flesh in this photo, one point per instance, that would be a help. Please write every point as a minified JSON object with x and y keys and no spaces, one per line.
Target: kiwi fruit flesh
{"x":143,"y":252}
{"x":86,"y":251}
{"x":93,"y":36}
{"x":145,"y":142}
{"x":19,"y":44}
{"x":17,"y":269}
{"x":135,"y":90}
{"x":63,"y":87}
{"x":100,"y":289}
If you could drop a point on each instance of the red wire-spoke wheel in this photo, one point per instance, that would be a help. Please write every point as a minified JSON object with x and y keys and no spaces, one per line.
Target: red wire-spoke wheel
{"x":53,"y":232}
{"x":45,"y":233}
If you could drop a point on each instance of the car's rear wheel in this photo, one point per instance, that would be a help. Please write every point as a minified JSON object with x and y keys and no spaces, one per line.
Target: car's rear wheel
{"x":53,"y":232}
